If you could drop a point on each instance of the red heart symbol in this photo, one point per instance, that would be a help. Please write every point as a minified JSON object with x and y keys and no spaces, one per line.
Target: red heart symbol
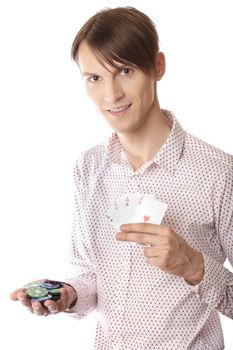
{"x":146,"y":218}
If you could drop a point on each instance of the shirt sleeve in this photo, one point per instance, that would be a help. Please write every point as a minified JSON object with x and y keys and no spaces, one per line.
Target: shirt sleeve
{"x":216,"y":288}
{"x":82,"y":261}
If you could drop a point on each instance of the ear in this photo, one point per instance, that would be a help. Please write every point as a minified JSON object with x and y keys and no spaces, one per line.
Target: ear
{"x":160,"y":66}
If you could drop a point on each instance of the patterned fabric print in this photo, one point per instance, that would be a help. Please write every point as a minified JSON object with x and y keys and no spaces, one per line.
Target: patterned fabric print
{"x":140,"y":307}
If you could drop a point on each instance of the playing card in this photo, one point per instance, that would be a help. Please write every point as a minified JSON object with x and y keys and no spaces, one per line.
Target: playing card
{"x":136,"y":208}
{"x":122,"y":209}
{"x":150,"y":210}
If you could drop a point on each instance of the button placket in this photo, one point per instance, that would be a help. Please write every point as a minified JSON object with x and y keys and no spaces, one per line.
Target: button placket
{"x":120,"y":298}
{"x":133,"y":183}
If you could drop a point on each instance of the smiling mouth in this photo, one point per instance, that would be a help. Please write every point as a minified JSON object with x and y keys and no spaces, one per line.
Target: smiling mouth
{"x":119,"y":110}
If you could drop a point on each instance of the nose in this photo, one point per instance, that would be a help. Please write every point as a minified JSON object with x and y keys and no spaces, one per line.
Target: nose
{"x":113,"y":92}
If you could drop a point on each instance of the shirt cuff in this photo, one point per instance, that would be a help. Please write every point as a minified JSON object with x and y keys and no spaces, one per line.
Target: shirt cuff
{"x":213,"y":285}
{"x":86,"y":299}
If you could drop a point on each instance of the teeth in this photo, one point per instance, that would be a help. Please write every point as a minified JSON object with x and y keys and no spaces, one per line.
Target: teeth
{"x":120,"y":109}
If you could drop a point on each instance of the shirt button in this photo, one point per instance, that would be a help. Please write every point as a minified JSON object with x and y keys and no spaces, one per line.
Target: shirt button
{"x":227,"y":310}
{"x":116,"y":345}
{"x":118,"y":307}
{"x":204,"y":295}
{"x":124,"y":264}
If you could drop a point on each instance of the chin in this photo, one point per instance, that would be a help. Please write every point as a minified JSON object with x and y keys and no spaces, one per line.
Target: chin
{"x":123,"y":126}
{"x":125,"y":131}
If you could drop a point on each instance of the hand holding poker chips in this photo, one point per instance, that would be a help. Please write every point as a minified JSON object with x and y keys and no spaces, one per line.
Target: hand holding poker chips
{"x":45,"y":297}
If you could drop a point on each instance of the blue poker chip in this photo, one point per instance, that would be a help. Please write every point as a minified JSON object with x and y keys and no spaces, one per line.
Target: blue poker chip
{"x":42,"y":299}
{"x":51,"y":284}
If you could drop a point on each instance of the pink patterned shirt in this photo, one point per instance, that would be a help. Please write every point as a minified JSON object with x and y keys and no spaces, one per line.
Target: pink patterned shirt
{"x":138,"y":306}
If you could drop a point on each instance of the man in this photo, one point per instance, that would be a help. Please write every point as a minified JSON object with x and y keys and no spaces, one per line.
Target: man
{"x":165,"y":291}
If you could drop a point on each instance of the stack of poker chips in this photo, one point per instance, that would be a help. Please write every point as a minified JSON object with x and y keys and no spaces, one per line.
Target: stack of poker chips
{"x":43,"y":290}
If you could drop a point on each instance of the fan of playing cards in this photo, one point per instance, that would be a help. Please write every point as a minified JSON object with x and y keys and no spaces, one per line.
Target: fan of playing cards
{"x":136,"y":208}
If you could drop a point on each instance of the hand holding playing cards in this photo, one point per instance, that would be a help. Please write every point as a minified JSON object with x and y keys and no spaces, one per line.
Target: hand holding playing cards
{"x":167,"y":250}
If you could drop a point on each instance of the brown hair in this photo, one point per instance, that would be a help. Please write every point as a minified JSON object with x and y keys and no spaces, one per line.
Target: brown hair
{"x":123,"y":34}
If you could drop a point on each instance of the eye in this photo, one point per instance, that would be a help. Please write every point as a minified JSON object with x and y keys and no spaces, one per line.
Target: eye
{"x":94,"y":78}
{"x":126,"y":71}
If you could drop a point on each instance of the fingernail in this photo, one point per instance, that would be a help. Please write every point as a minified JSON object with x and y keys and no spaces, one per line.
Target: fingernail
{"x":52,"y":309}
{"x":122,"y":227}
{"x":118,"y":235}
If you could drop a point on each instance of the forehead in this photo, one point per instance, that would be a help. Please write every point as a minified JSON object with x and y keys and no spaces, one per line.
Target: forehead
{"x":88,"y":61}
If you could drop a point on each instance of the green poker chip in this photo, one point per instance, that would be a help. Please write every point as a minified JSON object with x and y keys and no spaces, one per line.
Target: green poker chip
{"x":36,"y":292}
{"x":55,"y":291}
{"x":32,"y":284}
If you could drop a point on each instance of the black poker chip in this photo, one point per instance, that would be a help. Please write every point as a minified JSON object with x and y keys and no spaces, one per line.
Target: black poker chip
{"x":51,"y":284}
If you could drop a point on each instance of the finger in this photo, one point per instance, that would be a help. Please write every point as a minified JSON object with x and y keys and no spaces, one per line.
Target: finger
{"x":65,"y":299}
{"x":150,"y":252}
{"x":141,"y":238}
{"x":14,"y":295}
{"x":60,"y":305}
{"x":52,"y":307}
{"x":24,"y":299}
{"x":152,"y":261}
{"x":158,"y":244}
{"x":20,"y":295}
{"x":39,"y":309}
{"x":141,"y":227}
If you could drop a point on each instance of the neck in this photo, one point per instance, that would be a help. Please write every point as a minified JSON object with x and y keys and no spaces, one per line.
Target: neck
{"x":143,"y":144}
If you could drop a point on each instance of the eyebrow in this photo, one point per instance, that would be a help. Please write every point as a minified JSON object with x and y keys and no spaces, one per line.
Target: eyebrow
{"x":87,"y":73}
{"x":117,"y":70}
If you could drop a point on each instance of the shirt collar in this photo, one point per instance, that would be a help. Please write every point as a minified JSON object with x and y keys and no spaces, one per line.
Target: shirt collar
{"x":167,"y":157}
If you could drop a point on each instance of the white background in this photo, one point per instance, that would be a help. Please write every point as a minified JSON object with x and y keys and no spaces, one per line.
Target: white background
{"x":47,"y":121}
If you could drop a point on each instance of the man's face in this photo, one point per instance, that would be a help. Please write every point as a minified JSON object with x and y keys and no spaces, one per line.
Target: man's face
{"x":125,"y":97}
